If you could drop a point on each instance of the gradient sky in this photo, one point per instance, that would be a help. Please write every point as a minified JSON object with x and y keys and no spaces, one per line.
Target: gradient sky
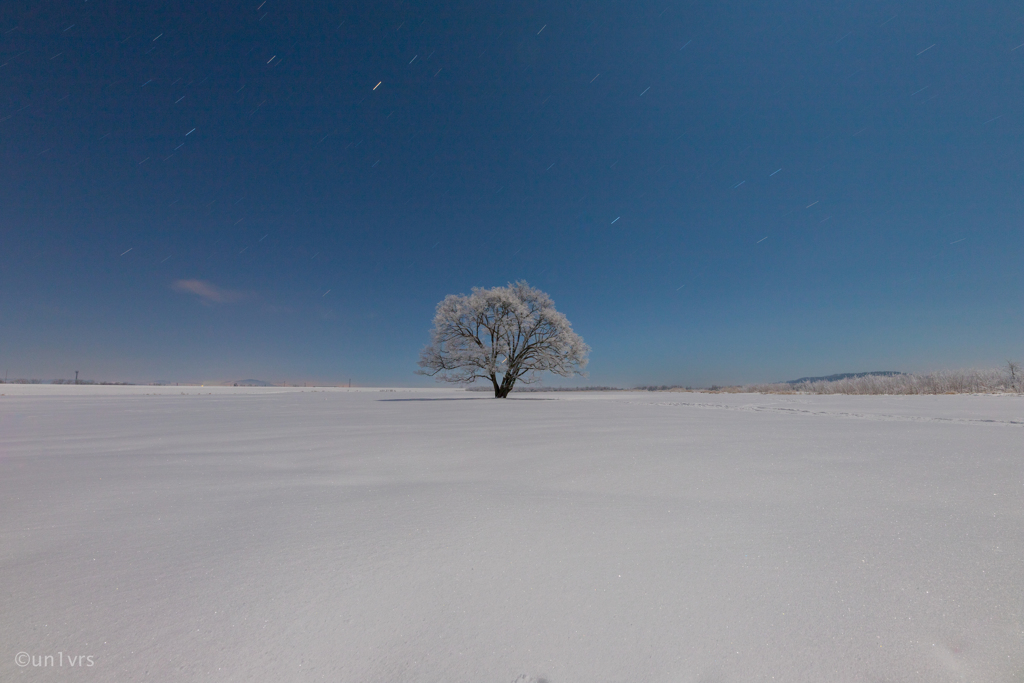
{"x":711,"y":192}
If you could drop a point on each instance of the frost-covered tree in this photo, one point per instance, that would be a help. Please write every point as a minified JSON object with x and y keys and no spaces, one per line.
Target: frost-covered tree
{"x":506,"y":335}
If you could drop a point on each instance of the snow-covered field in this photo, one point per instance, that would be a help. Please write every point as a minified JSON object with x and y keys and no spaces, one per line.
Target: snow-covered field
{"x":251,"y":534}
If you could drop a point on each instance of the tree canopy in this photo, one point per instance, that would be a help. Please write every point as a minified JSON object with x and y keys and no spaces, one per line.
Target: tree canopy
{"x":503,"y":334}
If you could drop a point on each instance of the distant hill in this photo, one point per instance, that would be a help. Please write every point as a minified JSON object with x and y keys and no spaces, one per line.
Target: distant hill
{"x":845,"y":375}
{"x":252,"y":383}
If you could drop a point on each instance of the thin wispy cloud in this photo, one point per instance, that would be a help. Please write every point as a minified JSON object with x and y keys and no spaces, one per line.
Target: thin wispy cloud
{"x":207,"y":292}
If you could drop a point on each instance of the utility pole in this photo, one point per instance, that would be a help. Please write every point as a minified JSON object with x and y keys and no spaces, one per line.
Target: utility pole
{"x":76,"y":376}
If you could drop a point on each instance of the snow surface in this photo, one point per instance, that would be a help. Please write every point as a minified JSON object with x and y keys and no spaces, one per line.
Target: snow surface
{"x":266,"y":534}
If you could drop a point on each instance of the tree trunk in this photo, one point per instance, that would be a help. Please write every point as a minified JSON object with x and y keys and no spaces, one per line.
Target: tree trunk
{"x":506,"y":387}
{"x":502,"y":390}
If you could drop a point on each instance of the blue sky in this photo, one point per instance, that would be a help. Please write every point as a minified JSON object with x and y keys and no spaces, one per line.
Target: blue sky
{"x":729,"y":193}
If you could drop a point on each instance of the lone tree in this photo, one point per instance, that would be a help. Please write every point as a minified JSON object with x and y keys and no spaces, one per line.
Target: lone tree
{"x":505,"y":334}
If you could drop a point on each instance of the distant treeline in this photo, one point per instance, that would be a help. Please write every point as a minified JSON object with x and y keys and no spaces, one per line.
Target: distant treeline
{"x":846,"y":375}
{"x":65,"y":381}
{"x":1007,"y":380}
